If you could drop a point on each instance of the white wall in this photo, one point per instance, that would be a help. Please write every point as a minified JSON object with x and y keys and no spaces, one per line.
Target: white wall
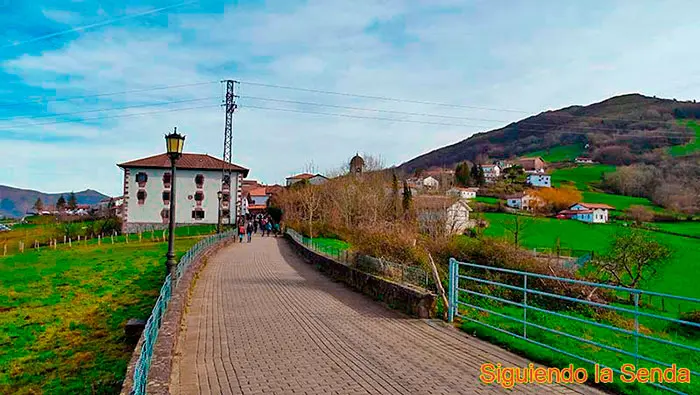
{"x":150,"y":210}
{"x":537,"y":180}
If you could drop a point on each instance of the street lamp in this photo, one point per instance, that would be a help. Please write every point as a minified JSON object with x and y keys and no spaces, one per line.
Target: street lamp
{"x":219,"y":195}
{"x":174,"y":144}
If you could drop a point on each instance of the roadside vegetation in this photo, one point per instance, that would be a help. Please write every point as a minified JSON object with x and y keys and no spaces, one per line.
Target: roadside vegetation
{"x":62,"y":313}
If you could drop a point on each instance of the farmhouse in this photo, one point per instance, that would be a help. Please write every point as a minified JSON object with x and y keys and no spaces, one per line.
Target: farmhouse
{"x":147,"y":191}
{"x":539,"y":180}
{"x":430,"y":182}
{"x":491,"y":172}
{"x":441,"y":213}
{"x":522,"y":201}
{"x":462,"y":193}
{"x":313,"y":179}
{"x":587,"y":212}
{"x":532,"y":165}
{"x":583,"y":160}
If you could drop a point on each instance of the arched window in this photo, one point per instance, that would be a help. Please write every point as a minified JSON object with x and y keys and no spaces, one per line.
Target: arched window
{"x":166,"y":197}
{"x":167,"y":179}
{"x":141,"y":178}
{"x":141,"y":196}
{"x":198,"y":196}
{"x":199,"y":180}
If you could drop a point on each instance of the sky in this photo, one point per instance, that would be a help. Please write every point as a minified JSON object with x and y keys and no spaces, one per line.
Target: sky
{"x":86,"y":84}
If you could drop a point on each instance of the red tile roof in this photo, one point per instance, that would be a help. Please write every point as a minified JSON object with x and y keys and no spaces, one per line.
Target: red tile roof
{"x":302,"y":176}
{"x":260,"y":191}
{"x":595,"y":205}
{"x":187,"y":161}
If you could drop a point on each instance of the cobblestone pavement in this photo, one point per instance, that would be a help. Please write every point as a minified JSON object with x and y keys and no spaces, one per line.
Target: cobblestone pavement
{"x":263,"y":321}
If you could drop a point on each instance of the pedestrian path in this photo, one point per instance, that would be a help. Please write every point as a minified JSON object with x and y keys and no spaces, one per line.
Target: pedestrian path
{"x":262,"y":320}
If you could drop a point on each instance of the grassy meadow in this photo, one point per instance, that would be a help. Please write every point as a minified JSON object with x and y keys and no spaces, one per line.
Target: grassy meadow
{"x":691,"y":147}
{"x":581,"y":176}
{"x":62,"y":313}
{"x":562,"y":153}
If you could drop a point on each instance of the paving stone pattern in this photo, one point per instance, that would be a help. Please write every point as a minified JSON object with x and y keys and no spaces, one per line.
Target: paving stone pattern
{"x":262,"y":321}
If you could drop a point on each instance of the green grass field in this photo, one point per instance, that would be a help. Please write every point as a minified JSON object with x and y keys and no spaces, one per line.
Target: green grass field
{"x":581,"y":176}
{"x":540,"y":232}
{"x":684,"y":228}
{"x":693,"y":146}
{"x":63,"y":312}
{"x":487,"y":199}
{"x":561,"y":153}
{"x":620,"y":202}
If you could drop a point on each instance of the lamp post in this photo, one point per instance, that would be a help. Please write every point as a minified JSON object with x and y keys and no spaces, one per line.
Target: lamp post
{"x":219,"y":195}
{"x":174,"y":143}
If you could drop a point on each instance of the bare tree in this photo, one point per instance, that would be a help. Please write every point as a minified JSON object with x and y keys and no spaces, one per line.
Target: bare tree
{"x":516,"y":226}
{"x":310,"y":199}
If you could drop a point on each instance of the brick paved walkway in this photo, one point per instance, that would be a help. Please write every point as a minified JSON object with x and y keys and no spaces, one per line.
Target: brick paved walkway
{"x":263,"y":321}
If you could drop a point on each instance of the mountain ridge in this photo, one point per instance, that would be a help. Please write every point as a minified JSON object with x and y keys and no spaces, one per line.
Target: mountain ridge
{"x":622,"y":129}
{"x":15,"y":202}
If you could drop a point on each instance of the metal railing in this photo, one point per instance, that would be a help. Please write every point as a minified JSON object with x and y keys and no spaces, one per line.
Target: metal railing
{"x":411,"y":275}
{"x":150,"y":332}
{"x":461,"y":299}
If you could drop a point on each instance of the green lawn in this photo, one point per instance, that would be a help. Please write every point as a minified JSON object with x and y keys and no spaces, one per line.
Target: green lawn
{"x":679,"y":277}
{"x":487,"y":199}
{"x":692,"y":146}
{"x":684,"y":228}
{"x":581,"y":176}
{"x":561,"y":153}
{"x":62,"y":314}
{"x":620,"y":202}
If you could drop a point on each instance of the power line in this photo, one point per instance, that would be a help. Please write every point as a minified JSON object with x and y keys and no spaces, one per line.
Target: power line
{"x":400,"y":100}
{"x":369,"y":109}
{"x":385,"y":98}
{"x":98,"y":24}
{"x":111,"y":116}
{"x":43,"y":100}
{"x":520,"y":129}
{"x":111,"y":109}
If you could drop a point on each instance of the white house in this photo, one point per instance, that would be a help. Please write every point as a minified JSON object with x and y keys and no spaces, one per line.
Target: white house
{"x":462,"y":193}
{"x":522,"y":201}
{"x":491,"y":172}
{"x":437,"y":213}
{"x":147,"y":191}
{"x":588,"y":212}
{"x":539,"y":180}
{"x":313,"y":179}
{"x":430,"y":182}
{"x":584,"y":160}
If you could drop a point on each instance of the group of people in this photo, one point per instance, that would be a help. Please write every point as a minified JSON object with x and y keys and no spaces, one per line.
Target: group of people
{"x":264,"y":223}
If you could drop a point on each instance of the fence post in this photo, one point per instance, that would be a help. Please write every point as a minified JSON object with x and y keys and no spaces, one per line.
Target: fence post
{"x":451,"y":291}
{"x":636,"y":330}
{"x":525,"y":306}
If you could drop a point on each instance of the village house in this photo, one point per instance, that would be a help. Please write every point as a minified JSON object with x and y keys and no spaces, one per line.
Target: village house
{"x":532,"y":165}
{"x":313,"y":179}
{"x":147,"y":191}
{"x":110,"y":207}
{"x":462,"y":193}
{"x":522,"y":201}
{"x":437,"y":213}
{"x":584,"y":160}
{"x":491,"y":172}
{"x":430,"y":182}
{"x":539,"y":180}
{"x":587,"y":212}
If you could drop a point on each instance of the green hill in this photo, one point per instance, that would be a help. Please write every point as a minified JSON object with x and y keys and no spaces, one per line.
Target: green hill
{"x":562,"y":153}
{"x":692,"y":146}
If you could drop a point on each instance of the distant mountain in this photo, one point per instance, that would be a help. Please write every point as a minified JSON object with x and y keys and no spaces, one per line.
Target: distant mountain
{"x":620,"y":130}
{"x":15,"y":202}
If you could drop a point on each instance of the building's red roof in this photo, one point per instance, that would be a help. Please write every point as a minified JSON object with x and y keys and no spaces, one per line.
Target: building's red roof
{"x":273,"y":189}
{"x":261,"y":191}
{"x":302,"y":176}
{"x":187,"y":161}
{"x":257,"y":207}
{"x":595,"y":206}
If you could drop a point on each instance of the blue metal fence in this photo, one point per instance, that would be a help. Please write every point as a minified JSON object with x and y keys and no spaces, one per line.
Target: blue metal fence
{"x":150,"y":332}
{"x":460,"y":300}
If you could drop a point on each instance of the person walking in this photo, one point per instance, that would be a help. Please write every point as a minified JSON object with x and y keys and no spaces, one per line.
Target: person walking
{"x":241,"y":232}
{"x":249,"y":231}
{"x":263,"y":225}
{"x":268,"y":227}
{"x":276,"y":228}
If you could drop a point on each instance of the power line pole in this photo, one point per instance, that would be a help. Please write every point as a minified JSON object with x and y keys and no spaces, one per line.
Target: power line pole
{"x":226,"y":181}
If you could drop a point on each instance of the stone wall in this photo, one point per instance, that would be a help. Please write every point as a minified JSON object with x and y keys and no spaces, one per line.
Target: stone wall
{"x":412,"y":301}
{"x":169,"y":332}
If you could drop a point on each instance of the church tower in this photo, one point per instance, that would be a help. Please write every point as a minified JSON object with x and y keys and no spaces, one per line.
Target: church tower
{"x":357,"y":164}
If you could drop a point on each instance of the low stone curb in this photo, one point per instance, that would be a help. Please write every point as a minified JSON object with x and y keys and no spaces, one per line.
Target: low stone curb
{"x":169,"y":332}
{"x":409,"y":300}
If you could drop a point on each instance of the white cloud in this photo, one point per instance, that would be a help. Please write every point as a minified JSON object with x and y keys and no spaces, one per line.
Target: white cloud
{"x":61,"y":16}
{"x":484,"y":54}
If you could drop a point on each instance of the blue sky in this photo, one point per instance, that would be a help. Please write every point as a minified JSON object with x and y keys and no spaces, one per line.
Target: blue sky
{"x":528,"y":56}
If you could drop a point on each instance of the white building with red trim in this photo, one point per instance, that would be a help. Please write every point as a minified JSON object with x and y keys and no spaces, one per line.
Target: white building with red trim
{"x":588,"y":212}
{"x":147,"y":191}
